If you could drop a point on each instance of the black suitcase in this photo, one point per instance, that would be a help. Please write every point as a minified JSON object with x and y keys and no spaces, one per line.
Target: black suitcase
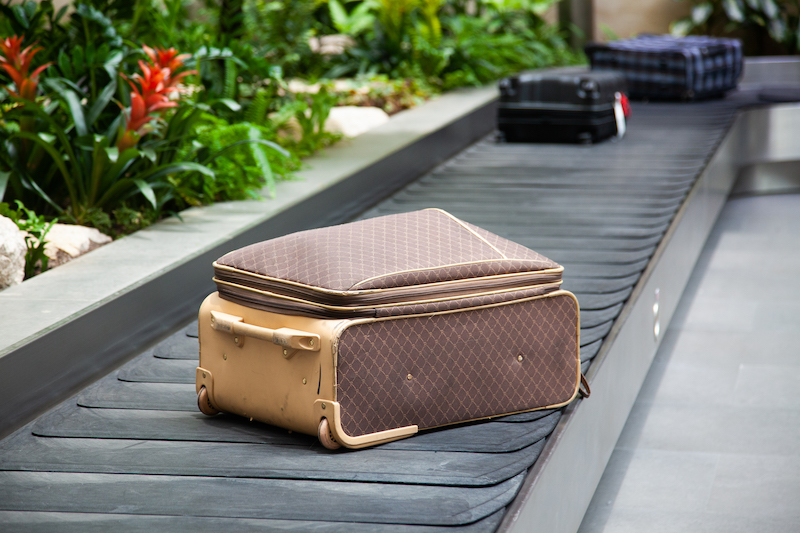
{"x":562,"y":105}
{"x":666,"y":67}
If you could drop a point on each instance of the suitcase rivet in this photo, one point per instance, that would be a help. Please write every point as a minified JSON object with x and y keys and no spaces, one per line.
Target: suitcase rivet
{"x":236,"y":341}
{"x":204,"y":374}
{"x":520,"y":358}
{"x":409,"y":377}
{"x":225,"y":356}
{"x":323,"y":406}
{"x":285,"y":351}
{"x":305,"y":381}
{"x":311,"y":342}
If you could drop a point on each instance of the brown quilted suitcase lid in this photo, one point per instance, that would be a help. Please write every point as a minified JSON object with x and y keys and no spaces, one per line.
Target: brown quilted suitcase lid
{"x":408,"y":256}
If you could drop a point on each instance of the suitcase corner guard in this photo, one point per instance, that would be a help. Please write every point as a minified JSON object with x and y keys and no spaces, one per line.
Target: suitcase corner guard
{"x":331,"y":411}
{"x":204,"y":385}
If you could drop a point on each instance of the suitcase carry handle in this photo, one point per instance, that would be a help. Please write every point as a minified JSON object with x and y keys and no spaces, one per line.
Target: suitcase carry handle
{"x":286,"y":337}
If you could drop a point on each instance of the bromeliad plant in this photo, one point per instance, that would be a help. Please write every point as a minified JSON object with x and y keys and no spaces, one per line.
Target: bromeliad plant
{"x":71,"y":161}
{"x":151,"y":94}
{"x":77,"y":158}
{"x":17,"y":62}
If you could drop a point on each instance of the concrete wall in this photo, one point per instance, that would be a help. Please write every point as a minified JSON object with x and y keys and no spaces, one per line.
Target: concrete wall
{"x":627,"y":18}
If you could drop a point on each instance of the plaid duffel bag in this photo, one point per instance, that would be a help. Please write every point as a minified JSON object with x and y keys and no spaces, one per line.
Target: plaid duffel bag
{"x":666,"y":67}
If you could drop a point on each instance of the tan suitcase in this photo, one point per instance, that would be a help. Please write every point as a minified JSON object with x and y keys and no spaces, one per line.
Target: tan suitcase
{"x":367,"y":332}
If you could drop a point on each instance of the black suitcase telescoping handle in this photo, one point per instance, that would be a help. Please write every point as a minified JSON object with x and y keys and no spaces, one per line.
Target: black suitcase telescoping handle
{"x":292,"y":340}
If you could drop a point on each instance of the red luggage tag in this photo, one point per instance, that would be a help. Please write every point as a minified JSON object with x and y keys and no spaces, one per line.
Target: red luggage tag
{"x":622,"y":110}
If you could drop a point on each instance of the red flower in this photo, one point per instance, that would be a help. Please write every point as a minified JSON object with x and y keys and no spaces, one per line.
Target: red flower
{"x":169,"y":59}
{"x":155,"y":84}
{"x":17,"y":62}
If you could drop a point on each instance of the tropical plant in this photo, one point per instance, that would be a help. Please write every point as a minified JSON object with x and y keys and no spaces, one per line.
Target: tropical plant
{"x":37,"y":20}
{"x":243,"y":159}
{"x":356,"y":22}
{"x":280,"y":32}
{"x":35,"y":228}
{"x":447,"y":44}
{"x":753,"y":20}
{"x":75,"y":166}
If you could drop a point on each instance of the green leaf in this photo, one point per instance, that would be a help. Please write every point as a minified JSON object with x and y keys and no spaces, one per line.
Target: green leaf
{"x":771,"y":10}
{"x":113,"y":153}
{"x":64,"y":64}
{"x":231,"y":146}
{"x":230,"y":103}
{"x":61,"y":13}
{"x":102,"y":101}
{"x":338,"y":15}
{"x":86,"y":142}
{"x":701,"y":12}
{"x":69,"y":155}
{"x":89,"y":50}
{"x":777,"y":29}
{"x":100,"y":163}
{"x":4,"y":176}
{"x":30,"y":9}
{"x":175,"y":168}
{"x":123,"y":162}
{"x":258,"y":154}
{"x":734,"y":9}
{"x":149,"y":153}
{"x":78,"y":62}
{"x":21,"y":16}
{"x":112,"y":62}
{"x":147,"y":191}
{"x":73,"y":104}
{"x":57,"y":160}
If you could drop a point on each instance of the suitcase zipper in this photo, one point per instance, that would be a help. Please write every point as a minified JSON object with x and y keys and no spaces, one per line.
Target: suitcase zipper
{"x":261,"y":299}
{"x":355,"y":299}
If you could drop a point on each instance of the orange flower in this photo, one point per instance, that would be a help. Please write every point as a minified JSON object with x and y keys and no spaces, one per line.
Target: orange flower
{"x":151,"y":92}
{"x":17,"y":62}
{"x":169,"y":59}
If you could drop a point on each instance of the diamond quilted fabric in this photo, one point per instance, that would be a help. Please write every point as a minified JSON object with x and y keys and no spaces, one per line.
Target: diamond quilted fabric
{"x":447,"y":368}
{"x":392,"y":251}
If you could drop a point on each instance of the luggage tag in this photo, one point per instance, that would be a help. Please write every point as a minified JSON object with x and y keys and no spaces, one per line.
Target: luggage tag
{"x":620,"y":114}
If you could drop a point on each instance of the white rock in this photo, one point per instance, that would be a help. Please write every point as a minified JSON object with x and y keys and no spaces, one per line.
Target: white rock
{"x":299,"y":86}
{"x":353,"y":120}
{"x":65,"y":242}
{"x":12,"y":253}
{"x":330,"y":45}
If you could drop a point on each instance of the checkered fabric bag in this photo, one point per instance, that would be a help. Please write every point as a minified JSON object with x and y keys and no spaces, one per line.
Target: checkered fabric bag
{"x":666,"y":67}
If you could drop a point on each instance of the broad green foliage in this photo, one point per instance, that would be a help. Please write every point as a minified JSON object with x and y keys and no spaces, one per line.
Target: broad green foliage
{"x":447,"y":44}
{"x":104,"y":123}
{"x":70,"y":151}
{"x":751,"y":20}
{"x":243,"y":158}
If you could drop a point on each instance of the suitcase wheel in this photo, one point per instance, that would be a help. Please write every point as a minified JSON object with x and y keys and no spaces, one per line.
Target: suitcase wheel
{"x":204,"y":404}
{"x":325,"y":437}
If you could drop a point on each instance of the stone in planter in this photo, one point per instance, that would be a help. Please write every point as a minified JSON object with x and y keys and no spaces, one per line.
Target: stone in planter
{"x":12,"y":253}
{"x":352,"y":121}
{"x":65,"y":242}
{"x":330,"y":45}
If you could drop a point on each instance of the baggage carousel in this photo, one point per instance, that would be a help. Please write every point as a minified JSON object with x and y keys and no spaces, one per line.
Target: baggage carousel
{"x":627,"y":220}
